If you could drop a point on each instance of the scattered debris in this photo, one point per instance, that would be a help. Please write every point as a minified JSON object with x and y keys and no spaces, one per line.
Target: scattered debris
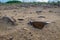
{"x":26,"y":6}
{"x":38,"y":25}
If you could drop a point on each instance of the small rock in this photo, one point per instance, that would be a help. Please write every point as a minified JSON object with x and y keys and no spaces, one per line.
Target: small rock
{"x":29,"y":32}
{"x":41,"y":17}
{"x":50,"y":11}
{"x":14,"y":11}
{"x":38,"y":11}
{"x":0,"y":12}
{"x":29,"y":39}
{"x":11,"y":38}
{"x":8,"y":20}
{"x":20,"y":19}
{"x":26,"y":29}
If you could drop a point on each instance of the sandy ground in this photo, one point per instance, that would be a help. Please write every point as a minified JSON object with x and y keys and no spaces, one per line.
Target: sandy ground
{"x":23,"y":31}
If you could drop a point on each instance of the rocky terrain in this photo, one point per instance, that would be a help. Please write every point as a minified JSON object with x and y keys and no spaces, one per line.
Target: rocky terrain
{"x":14,"y":21}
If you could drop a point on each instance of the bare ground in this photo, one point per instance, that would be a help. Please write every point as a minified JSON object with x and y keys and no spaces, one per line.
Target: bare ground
{"x":23,"y":31}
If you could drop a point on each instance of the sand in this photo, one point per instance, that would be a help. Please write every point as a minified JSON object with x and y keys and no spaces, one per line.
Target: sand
{"x":23,"y":31}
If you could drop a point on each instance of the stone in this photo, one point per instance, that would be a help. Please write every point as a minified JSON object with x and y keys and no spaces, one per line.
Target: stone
{"x":26,"y":29}
{"x":8,"y":20}
{"x":11,"y":38}
{"x":38,"y":11}
{"x":20,"y":19}
{"x":41,"y":17}
{"x":38,"y":25}
{"x":50,"y":11}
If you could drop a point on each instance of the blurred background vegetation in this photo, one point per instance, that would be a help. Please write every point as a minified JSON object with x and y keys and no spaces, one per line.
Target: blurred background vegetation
{"x":16,"y":2}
